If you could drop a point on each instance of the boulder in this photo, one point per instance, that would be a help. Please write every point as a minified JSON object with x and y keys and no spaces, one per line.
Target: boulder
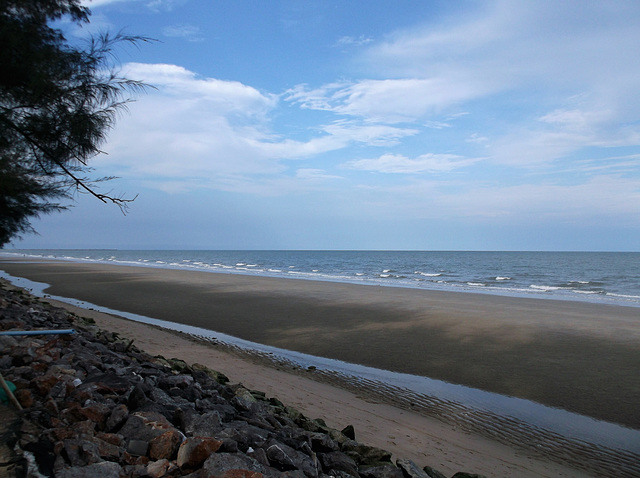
{"x":410,"y":469}
{"x":195,"y":450}
{"x":381,"y":471}
{"x":232,"y":465}
{"x":284,"y":458}
{"x":338,"y":461}
{"x":433,"y":473}
{"x":104,"y":469}
{"x":165,"y":445}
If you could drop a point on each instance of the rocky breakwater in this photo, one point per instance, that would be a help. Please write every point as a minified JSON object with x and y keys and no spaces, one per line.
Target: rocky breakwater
{"x":94,"y":405}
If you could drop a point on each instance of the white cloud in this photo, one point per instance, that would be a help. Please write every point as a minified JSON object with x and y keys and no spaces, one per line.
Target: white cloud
{"x":397,"y":163}
{"x":219,"y":95}
{"x":569,"y":68}
{"x":99,"y":3}
{"x":190,"y":33}
{"x":154,"y":5}
{"x":164,"y":5}
{"x":605,"y":199}
{"x":204,"y":132}
{"x":353,"y":41}
{"x":311,"y":174}
{"x":386,"y":101}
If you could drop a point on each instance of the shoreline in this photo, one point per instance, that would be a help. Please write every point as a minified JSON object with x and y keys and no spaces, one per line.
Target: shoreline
{"x":459,"y":433}
{"x":561,"y":354}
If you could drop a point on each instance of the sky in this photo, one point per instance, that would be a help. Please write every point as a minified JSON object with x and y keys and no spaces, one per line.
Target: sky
{"x":368,"y":124}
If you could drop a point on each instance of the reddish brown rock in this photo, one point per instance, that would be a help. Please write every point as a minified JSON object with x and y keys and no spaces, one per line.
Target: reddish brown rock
{"x":44,"y":384}
{"x":113,"y":438}
{"x":160,"y":468}
{"x":165,"y":445}
{"x":97,"y":413}
{"x":195,"y":450}
{"x":25,"y":397}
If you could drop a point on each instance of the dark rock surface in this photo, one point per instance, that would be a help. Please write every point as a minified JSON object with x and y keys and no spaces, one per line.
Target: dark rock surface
{"x":96,"y":405}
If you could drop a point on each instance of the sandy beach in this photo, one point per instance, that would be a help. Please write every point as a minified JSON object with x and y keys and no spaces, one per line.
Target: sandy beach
{"x":554,"y":352}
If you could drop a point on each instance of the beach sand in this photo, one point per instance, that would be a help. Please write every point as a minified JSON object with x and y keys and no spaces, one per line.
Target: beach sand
{"x":580,"y":357}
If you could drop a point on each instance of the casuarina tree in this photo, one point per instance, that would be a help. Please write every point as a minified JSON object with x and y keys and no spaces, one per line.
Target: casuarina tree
{"x":57,"y":104}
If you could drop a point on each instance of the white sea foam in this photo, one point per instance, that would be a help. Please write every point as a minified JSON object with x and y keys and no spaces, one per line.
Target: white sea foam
{"x":544,"y":287}
{"x":476,"y":284}
{"x":624,"y":296}
{"x":503,"y":278}
{"x":428,"y":274}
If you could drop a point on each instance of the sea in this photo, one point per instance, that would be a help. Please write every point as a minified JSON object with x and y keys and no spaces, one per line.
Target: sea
{"x":597,"y":277}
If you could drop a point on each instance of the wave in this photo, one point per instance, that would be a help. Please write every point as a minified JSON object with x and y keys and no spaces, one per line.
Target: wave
{"x":588,"y":277}
{"x":545,"y":287}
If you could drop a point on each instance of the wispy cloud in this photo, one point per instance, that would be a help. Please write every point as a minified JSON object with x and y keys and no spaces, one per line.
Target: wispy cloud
{"x":190,"y":33}
{"x":165,"y":5}
{"x":583,"y":75}
{"x":347,"y":41}
{"x":99,"y":3}
{"x":386,"y":101}
{"x":399,"y":164}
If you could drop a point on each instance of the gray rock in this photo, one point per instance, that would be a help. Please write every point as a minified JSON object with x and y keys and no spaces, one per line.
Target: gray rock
{"x":145,"y":426}
{"x":410,"y":469}
{"x":321,"y":442}
{"x":366,"y":455}
{"x":81,"y":452}
{"x":220,"y":464}
{"x":117,"y":418}
{"x":382,"y":471}
{"x":433,"y":473}
{"x":245,"y":435}
{"x":338,"y":461}
{"x":349,"y":432}
{"x":179,"y":381}
{"x":207,"y":424}
{"x":138,"y":447}
{"x":104,"y":469}
{"x":284,"y":458}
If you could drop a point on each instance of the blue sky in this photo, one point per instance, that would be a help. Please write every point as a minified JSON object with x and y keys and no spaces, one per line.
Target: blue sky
{"x":480,"y":125}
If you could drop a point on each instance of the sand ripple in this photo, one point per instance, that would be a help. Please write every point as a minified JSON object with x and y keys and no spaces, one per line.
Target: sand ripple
{"x":510,"y":431}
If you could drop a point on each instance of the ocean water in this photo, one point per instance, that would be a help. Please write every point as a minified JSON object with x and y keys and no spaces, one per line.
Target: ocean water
{"x":600,"y":277}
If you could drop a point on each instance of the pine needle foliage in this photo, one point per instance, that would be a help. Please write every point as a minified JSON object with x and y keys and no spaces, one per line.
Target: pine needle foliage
{"x":57,"y":105}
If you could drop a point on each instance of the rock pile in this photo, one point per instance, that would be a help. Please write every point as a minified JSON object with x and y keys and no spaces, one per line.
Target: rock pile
{"x":94,"y":405}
